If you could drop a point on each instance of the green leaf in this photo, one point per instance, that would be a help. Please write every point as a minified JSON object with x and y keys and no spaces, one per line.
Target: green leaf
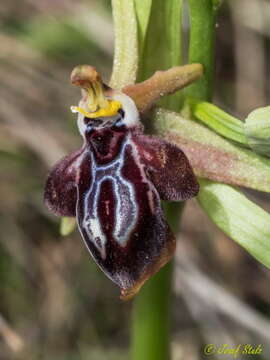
{"x":218,"y":120}
{"x":238,"y":217}
{"x":201,"y":45}
{"x":257,"y":130}
{"x":143,"y":11}
{"x":210,"y":155}
{"x":67,"y":225}
{"x":126,"y":56}
{"x":162,"y":45}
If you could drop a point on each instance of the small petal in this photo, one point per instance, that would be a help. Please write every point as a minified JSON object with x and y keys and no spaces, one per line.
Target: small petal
{"x":168,"y":168}
{"x":60,"y":191}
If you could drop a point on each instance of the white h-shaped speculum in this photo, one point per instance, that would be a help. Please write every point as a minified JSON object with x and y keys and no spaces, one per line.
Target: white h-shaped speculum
{"x":125,"y":202}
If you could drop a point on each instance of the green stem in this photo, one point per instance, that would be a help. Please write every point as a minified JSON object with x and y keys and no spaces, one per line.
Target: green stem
{"x":151,"y":318}
{"x":151,"y":313}
{"x":201,"y":46}
{"x":151,"y":308}
{"x":160,"y":49}
{"x":162,"y":42}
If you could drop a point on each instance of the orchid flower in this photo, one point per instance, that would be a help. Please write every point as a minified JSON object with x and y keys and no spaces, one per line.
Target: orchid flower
{"x":115,"y":182}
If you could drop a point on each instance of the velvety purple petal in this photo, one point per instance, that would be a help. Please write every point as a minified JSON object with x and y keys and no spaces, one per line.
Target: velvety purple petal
{"x":60,"y":191}
{"x":168,"y":168}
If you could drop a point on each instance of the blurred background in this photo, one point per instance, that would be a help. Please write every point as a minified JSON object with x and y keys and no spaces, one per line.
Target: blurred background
{"x":54,"y":302}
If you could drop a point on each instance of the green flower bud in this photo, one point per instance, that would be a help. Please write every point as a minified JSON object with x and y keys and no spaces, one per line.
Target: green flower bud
{"x":257,"y":130}
{"x":218,"y":120}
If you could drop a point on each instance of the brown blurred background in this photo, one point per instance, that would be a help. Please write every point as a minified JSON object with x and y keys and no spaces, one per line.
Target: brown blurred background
{"x":54,"y":302}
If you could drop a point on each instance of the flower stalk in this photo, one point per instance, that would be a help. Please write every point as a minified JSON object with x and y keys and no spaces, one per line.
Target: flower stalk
{"x":151,"y":318}
{"x":157,"y":32}
{"x":150,"y":336}
{"x":151,"y":332}
{"x":152,"y":306}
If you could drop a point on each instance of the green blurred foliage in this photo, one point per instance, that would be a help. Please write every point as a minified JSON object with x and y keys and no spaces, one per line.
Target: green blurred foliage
{"x":60,"y":40}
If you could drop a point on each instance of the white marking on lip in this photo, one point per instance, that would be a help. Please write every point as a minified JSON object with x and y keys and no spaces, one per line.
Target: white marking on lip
{"x":151,"y":190}
{"x":122,"y":190}
{"x":124,"y":199}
